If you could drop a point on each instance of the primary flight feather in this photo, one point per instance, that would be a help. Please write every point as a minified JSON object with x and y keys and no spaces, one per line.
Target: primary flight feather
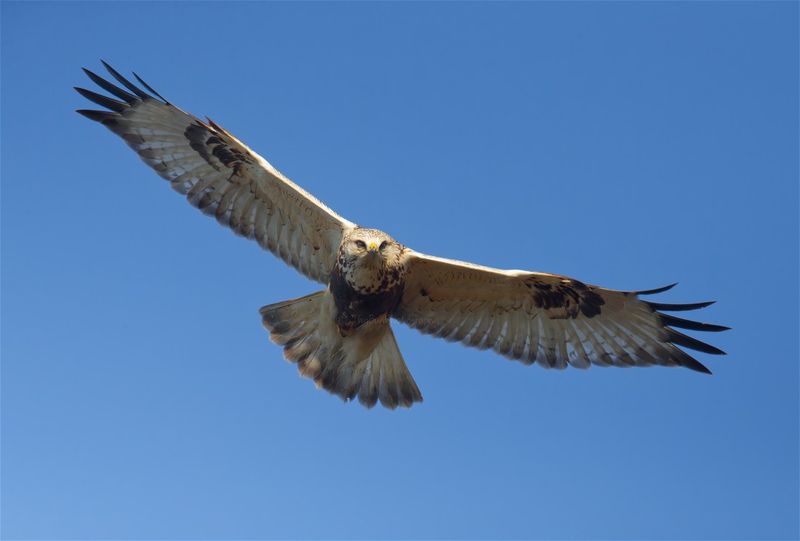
{"x":341,"y":337}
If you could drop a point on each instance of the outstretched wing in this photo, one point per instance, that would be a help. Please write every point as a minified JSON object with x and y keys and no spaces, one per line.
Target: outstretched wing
{"x":221,"y":176}
{"x":545,"y":318}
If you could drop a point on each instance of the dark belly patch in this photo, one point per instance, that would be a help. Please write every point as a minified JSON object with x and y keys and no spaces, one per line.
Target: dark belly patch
{"x":353,"y":308}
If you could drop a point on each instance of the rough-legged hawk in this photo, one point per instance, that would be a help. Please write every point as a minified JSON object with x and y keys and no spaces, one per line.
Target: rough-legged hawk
{"x":341,"y":336}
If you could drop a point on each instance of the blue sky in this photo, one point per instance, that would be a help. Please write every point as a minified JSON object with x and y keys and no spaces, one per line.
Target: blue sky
{"x":627,"y":144}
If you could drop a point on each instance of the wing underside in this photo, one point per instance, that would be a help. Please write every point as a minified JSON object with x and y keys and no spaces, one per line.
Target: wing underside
{"x":220,"y":175}
{"x":547,"y":319}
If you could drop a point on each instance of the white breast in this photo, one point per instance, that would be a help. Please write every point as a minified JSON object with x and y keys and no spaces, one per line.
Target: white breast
{"x":364,"y":278}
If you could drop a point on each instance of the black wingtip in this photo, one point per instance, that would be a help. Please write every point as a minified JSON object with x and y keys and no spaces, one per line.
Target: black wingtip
{"x":698,"y":367}
{"x":104,"y":117}
{"x":109,"y":87}
{"x":657,"y":290}
{"x":150,"y":88}
{"x":672,"y":321}
{"x":680,"y":339}
{"x":99,"y":99}
{"x":125,"y":82}
{"x":667,"y":307}
{"x":684,"y":359}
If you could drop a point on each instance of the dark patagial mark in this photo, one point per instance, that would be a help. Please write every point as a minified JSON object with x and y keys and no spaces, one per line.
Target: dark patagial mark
{"x":207,"y":144}
{"x":230,"y":157}
{"x":202,"y":138}
{"x":196,"y":134}
{"x":571,"y":295}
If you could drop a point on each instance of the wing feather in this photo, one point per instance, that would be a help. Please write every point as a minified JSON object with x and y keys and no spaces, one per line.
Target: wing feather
{"x":549,"y":319}
{"x":221,"y":176}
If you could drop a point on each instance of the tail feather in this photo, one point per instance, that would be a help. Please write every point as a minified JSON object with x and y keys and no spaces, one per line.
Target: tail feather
{"x":366,"y":364}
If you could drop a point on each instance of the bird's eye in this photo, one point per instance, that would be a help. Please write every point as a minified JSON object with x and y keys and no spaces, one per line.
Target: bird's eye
{"x":383,"y":245}
{"x":360,"y":244}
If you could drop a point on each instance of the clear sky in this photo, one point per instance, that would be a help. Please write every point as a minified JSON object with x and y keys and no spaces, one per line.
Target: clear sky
{"x":627,"y":144}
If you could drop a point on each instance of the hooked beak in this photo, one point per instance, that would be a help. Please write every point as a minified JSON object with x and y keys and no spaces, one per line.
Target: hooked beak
{"x":372,"y":247}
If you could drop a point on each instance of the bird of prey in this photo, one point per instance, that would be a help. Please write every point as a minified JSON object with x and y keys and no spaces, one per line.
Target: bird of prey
{"x":341,"y":337}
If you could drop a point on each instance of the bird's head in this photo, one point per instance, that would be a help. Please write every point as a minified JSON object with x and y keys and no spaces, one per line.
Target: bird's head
{"x":371,"y":247}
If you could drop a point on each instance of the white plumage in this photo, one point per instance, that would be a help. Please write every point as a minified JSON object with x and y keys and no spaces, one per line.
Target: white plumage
{"x":341,"y":337}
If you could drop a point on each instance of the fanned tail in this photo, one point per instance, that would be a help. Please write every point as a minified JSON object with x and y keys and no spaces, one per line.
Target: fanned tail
{"x":366,"y":364}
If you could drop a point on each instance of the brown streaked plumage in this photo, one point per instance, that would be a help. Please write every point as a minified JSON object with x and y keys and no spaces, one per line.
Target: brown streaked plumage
{"x":341,"y":337}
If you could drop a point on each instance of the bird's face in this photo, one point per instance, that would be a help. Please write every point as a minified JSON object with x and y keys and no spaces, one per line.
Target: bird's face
{"x":370,"y":247}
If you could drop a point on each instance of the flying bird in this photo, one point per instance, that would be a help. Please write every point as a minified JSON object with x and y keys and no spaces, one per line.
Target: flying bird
{"x":341,"y":337}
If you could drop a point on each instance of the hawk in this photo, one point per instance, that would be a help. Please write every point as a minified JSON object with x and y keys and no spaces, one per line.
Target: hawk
{"x":341,"y":337}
